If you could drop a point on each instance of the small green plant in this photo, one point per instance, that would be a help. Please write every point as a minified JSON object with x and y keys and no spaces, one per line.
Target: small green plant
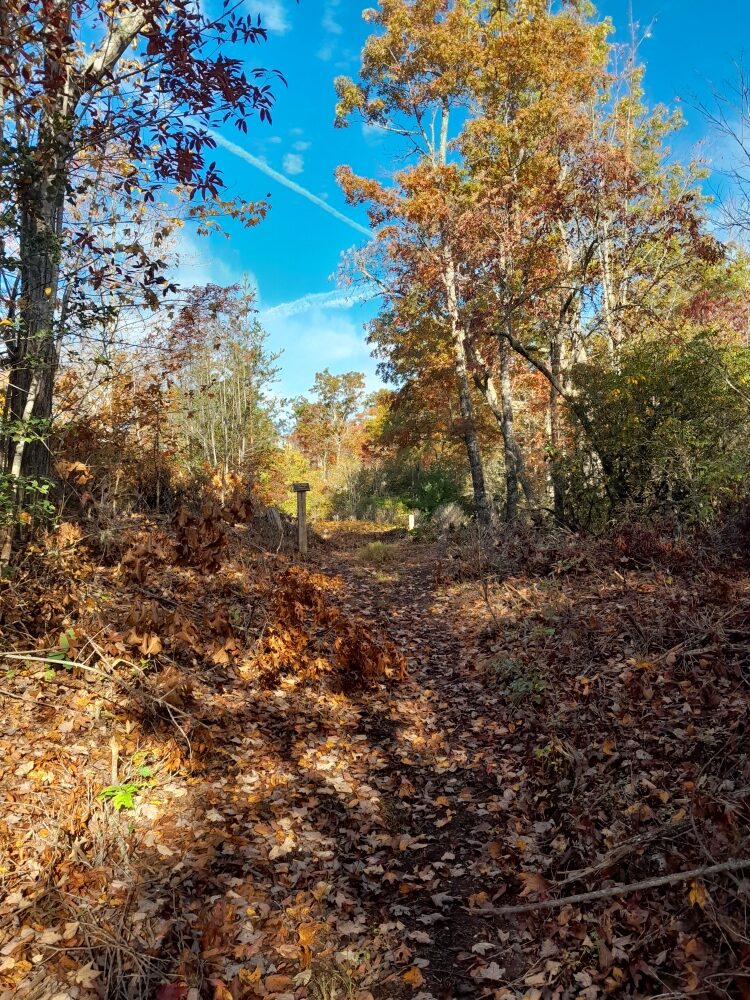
{"x":65,"y":644}
{"x":336,"y":984}
{"x":60,"y":656}
{"x":519,"y":683}
{"x":542,"y":632}
{"x":553,"y":758}
{"x":121,"y":796}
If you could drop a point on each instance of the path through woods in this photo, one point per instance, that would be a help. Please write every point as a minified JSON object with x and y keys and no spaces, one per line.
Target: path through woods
{"x":583,"y":727}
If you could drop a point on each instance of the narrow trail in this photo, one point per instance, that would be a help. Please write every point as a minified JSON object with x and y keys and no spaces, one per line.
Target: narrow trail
{"x":447,"y":752}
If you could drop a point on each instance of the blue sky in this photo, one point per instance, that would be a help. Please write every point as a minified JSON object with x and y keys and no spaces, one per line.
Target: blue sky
{"x":293,"y":256}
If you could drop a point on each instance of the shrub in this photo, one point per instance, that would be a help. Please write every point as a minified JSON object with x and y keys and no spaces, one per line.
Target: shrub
{"x":377,"y":553}
{"x":387,"y":492}
{"x":670,"y":430}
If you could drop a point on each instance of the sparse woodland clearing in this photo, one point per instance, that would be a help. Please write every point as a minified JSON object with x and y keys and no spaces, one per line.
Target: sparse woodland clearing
{"x":486,"y":735}
{"x":305,"y":815}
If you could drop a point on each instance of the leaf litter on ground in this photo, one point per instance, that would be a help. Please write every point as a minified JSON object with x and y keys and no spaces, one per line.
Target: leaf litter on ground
{"x":338,"y":778}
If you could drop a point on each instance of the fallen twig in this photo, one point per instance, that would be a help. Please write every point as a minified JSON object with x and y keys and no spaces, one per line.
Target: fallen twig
{"x":30,"y":701}
{"x":616,"y":854}
{"x":622,"y":890}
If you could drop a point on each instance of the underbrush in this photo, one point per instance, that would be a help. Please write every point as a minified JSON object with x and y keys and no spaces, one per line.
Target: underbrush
{"x":129,"y":670}
{"x":475,"y":553}
{"x":377,"y":553}
{"x":209,"y":783}
{"x":620,"y":666}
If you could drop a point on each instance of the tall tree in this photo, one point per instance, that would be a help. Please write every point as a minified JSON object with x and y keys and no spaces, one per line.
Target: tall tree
{"x":323,"y":423}
{"x":413,"y":80}
{"x":221,"y":375}
{"x":575,"y":225}
{"x":78,"y":79}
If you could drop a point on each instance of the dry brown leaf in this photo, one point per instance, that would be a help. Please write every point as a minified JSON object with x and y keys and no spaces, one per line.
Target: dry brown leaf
{"x":86,"y":976}
{"x":413,"y":977}
{"x":277,"y":983}
{"x":533,"y":884}
{"x":698,"y":895}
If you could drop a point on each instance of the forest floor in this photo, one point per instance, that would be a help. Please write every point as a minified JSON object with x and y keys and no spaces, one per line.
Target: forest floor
{"x":254,"y":778}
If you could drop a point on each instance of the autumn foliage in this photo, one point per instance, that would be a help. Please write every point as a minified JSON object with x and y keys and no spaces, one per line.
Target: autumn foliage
{"x":488,"y":737}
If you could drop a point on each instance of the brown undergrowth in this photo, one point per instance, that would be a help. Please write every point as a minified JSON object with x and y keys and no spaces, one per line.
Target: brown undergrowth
{"x":124,"y":680}
{"x":220,"y":781}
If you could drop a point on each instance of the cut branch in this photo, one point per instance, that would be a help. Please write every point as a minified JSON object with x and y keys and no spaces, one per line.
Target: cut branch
{"x":623,"y":890}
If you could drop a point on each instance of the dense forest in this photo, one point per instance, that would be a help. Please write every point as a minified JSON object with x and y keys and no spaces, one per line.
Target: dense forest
{"x":488,"y":735}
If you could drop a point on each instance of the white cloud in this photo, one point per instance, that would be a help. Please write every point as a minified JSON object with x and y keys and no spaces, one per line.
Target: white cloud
{"x":335,"y":338}
{"x":202,"y":260}
{"x":254,"y":161}
{"x":332,"y":28}
{"x":273,"y":14}
{"x":372,"y":135}
{"x":197,"y":265}
{"x":316,"y":340}
{"x":330,"y":24}
{"x":301,"y":147}
{"x":293,"y":163}
{"x":315,"y":301}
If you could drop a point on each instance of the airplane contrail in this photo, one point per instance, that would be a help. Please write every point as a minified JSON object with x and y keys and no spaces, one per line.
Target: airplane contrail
{"x":319,"y":300}
{"x":255,"y":161}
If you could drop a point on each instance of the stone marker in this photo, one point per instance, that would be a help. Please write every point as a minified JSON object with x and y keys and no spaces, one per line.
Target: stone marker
{"x":302,"y":489}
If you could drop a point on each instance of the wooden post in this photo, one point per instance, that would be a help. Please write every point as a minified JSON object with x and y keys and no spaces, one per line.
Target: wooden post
{"x":302,"y":489}
{"x":412,"y":520}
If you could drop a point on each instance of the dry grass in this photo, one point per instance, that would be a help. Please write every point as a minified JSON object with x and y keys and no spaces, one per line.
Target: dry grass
{"x":377,"y":554}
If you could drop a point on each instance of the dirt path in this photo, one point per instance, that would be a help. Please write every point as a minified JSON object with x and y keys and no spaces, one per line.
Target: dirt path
{"x":447,"y":756}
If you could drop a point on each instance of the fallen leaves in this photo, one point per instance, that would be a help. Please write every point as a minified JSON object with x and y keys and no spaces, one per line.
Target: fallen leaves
{"x":86,"y":976}
{"x":491,"y":973}
{"x":698,"y":895}
{"x":277,"y":983}
{"x":413,"y":977}
{"x":331,"y":820}
{"x":534,"y":884}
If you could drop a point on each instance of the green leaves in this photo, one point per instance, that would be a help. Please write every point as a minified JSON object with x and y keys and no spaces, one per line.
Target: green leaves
{"x":62,"y":653}
{"x":673,"y":420}
{"x":121,"y":796}
{"x":24,"y":500}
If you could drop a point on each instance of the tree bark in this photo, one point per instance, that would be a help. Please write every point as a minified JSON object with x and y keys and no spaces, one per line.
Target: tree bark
{"x":501,"y":405}
{"x":14,"y":471}
{"x":41,"y":189}
{"x":458,"y":338}
{"x":555,"y":437}
{"x":468,"y":420}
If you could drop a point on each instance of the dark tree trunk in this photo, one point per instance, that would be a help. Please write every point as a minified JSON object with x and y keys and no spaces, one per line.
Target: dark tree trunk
{"x":34,"y":356}
{"x":501,"y":404}
{"x":555,"y":438}
{"x":468,"y":420}
{"x":474,"y":454}
{"x":42,"y":171}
